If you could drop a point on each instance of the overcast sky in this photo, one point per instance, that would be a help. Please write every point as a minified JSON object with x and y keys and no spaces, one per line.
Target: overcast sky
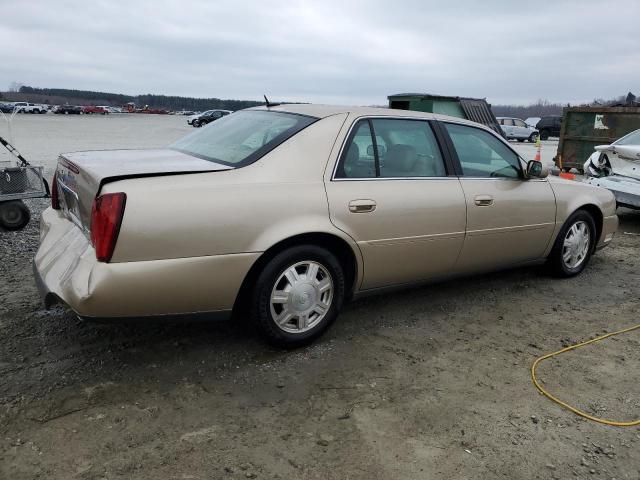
{"x":345,"y":52}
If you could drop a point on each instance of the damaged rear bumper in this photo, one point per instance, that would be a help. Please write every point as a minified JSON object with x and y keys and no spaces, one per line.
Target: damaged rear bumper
{"x":625,"y":189}
{"x":66,"y":269}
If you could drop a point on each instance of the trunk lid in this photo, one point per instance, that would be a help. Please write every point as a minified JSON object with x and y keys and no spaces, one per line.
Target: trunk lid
{"x":80,"y":175}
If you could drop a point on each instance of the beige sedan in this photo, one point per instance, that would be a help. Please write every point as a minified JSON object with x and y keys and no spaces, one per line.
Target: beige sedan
{"x":283,"y":213}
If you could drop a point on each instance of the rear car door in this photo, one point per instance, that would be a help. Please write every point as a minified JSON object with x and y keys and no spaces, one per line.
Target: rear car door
{"x":510,"y":219}
{"x":392,"y":193}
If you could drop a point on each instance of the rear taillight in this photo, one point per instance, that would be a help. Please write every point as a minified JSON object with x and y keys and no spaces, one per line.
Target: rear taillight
{"x":55,"y":200}
{"x":106,"y":217}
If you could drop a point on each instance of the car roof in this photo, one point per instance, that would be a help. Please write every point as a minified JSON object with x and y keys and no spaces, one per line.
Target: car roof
{"x":322,"y":111}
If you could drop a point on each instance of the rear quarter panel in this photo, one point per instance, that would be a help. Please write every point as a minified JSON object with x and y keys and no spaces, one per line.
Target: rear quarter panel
{"x":234,"y":211}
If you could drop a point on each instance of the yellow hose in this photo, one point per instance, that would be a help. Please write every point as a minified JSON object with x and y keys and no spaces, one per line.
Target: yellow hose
{"x":567,"y":406}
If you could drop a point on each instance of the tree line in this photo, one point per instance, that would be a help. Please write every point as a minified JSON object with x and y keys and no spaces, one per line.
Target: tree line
{"x":153,"y":101}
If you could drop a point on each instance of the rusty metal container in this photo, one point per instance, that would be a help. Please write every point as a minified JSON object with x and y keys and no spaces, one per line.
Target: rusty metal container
{"x":585,"y":127}
{"x":474,"y":109}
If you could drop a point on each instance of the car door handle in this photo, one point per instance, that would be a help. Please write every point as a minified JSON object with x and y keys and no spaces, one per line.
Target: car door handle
{"x":484,"y":200}
{"x":362,"y":206}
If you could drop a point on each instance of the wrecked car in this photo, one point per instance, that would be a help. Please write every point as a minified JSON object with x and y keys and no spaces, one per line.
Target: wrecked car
{"x":280,"y":214}
{"x":616,"y":167}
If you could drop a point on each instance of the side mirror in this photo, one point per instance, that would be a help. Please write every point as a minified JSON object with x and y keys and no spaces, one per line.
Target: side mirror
{"x":536,"y":169}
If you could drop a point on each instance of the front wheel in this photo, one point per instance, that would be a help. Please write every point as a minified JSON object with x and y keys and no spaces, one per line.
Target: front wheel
{"x":574,"y":245}
{"x":544,"y":135}
{"x":298,"y":295}
{"x":14,"y":215}
{"x":532,"y":138}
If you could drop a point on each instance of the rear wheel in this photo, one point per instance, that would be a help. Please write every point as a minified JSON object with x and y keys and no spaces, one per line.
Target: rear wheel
{"x":14,"y":215}
{"x":574,"y":245}
{"x":521,"y":140}
{"x":298,"y":295}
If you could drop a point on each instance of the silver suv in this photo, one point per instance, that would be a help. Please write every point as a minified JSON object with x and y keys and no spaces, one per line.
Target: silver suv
{"x":517,"y":129}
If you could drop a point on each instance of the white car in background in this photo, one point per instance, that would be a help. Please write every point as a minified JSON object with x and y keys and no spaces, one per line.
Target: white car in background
{"x":616,"y":167}
{"x":517,"y":129}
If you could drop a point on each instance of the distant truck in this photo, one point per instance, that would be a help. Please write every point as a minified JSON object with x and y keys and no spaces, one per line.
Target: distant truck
{"x":26,"y":107}
{"x":549,"y":126}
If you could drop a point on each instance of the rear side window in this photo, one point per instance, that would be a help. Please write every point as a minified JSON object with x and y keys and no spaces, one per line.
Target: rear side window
{"x":481,"y":154}
{"x":391,"y":148}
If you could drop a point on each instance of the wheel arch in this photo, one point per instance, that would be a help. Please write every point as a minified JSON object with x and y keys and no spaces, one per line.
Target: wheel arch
{"x":345,"y":252}
{"x":598,"y":218}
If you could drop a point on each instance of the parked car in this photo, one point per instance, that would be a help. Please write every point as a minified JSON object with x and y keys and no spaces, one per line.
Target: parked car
{"x":68,"y":110}
{"x":282,"y":214}
{"x":207,"y":117}
{"x":6,"y":107}
{"x":549,"y":126}
{"x":110,"y":109}
{"x":26,"y":107}
{"x":532,"y":121}
{"x":516,"y":129}
{"x":89,"y":109}
{"x":617,"y":168}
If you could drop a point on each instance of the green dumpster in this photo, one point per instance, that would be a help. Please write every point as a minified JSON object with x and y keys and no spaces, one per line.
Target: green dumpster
{"x":474,"y":109}
{"x":585,"y":127}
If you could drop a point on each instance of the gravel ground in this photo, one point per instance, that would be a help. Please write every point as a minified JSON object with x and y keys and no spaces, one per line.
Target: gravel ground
{"x":426,"y":383}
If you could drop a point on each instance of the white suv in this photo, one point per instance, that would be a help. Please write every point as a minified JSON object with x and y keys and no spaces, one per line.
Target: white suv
{"x":516,"y":129}
{"x":25,"y":107}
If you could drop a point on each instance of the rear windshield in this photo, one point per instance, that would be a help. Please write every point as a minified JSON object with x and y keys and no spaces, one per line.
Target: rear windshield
{"x":242,"y":137}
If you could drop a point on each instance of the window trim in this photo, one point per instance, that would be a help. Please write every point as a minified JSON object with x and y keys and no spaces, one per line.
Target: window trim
{"x":456,"y":160}
{"x":449,"y":166}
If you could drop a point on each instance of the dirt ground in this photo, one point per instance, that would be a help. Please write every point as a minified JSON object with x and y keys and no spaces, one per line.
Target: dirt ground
{"x":429,"y":383}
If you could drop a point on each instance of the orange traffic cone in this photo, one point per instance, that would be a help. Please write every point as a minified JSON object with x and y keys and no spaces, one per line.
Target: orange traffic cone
{"x":538,"y":157}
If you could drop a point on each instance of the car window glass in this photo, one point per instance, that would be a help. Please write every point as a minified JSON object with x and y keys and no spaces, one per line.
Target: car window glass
{"x":632,"y":138}
{"x":409,"y":149}
{"x":359,"y":159}
{"x":508,"y":122}
{"x":481,"y":154}
{"x":519,"y":123}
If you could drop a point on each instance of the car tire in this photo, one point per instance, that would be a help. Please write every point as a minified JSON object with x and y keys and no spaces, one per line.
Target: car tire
{"x":14,"y":215}
{"x":568,"y":258}
{"x":196,"y":123}
{"x":520,"y":140}
{"x":532,"y":138}
{"x":311,"y":283}
{"x":544,"y":135}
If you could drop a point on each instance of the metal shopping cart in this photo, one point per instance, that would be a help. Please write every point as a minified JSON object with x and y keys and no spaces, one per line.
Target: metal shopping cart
{"x":18,"y":180}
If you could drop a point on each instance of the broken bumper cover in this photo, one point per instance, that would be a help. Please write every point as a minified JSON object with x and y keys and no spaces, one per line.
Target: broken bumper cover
{"x":65,"y":269}
{"x":625,"y":189}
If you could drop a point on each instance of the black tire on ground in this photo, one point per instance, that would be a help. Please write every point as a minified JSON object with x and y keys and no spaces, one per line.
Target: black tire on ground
{"x":521,"y":140}
{"x":555,"y":260}
{"x":196,"y":123}
{"x":532,"y":138}
{"x":544,"y":134}
{"x":14,"y":215}
{"x":261,"y":311}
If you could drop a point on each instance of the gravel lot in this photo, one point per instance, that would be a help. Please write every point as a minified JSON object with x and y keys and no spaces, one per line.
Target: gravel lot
{"x":427,"y":383}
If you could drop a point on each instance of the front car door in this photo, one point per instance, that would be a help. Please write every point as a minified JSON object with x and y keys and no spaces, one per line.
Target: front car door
{"x":392,"y":193}
{"x":521,"y":129}
{"x":510,"y":219}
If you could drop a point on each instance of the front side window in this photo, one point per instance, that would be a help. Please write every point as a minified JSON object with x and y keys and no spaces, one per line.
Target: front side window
{"x":391,"y":148}
{"x":519,"y":123}
{"x":242,"y":138}
{"x":481,"y":154}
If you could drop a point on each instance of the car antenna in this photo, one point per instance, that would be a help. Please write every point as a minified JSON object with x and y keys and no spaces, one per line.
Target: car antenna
{"x":269,"y":104}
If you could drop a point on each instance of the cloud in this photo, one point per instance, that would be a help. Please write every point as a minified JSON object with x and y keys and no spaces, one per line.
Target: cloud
{"x":324,"y":51}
